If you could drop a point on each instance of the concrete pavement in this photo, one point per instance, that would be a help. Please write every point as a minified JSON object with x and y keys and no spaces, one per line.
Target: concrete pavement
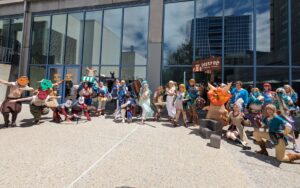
{"x":102,"y":153}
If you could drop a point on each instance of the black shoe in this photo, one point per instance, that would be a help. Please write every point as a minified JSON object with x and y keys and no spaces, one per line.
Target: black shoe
{"x":13,"y":124}
{"x":246,"y":148}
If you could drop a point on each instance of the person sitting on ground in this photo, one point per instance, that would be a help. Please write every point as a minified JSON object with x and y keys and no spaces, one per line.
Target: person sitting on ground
{"x":278,"y":130}
{"x":236,"y":131}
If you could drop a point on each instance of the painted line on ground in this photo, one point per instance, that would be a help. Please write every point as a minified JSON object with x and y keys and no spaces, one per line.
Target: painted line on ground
{"x":102,"y":157}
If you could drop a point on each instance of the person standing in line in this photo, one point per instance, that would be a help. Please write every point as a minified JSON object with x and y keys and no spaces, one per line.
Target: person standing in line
{"x":144,"y":101}
{"x":171,"y":92}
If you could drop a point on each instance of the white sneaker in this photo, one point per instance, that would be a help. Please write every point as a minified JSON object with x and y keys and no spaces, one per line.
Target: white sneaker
{"x":295,"y":148}
{"x":123,"y":120}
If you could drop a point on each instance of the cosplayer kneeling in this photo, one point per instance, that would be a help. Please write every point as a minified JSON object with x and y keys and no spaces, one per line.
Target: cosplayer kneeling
{"x":181,"y":105}
{"x":236,"y":131}
{"x":278,"y":130}
{"x":144,"y":101}
{"x":284,"y":105}
{"x":15,"y":92}
{"x":80,"y":108}
{"x":127,"y":107}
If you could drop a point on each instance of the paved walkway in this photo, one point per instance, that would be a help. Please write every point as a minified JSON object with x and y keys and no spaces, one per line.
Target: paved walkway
{"x":102,"y":153}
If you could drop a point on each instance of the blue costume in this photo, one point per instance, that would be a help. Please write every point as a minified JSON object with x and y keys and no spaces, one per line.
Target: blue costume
{"x":242,"y":93}
{"x":193,"y":93}
{"x":121,"y":94}
{"x":276,"y":127}
{"x":255,"y":108}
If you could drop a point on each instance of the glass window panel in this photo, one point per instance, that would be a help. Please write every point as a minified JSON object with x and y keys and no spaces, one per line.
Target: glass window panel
{"x":272,"y":32}
{"x":233,"y":74}
{"x":277,"y":77}
{"x":135,"y":36}
{"x":296,"y":32}
{"x":4,"y":35}
{"x":208,"y":35}
{"x":111,"y":37}
{"x":176,"y":74}
{"x":40,"y":39}
{"x":177,"y":47}
{"x":74,"y":38}
{"x":296,"y":80}
{"x":134,"y":72}
{"x":36,"y":73}
{"x":238,"y":36}
{"x":15,"y":45}
{"x":92,"y":38}
{"x":4,"y":32}
{"x":106,"y":70}
{"x":57,"y":42}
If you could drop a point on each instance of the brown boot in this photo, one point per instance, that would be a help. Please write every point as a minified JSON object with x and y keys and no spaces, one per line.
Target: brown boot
{"x":293,"y":156}
{"x":263,"y":150}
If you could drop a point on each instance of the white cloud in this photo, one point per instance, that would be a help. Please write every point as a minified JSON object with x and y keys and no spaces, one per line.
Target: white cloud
{"x":263,"y":31}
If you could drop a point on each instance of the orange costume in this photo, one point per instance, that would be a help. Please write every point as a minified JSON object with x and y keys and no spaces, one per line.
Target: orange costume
{"x":218,"y":96}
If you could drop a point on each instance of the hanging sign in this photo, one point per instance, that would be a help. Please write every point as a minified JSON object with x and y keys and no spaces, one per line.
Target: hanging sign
{"x":207,"y":65}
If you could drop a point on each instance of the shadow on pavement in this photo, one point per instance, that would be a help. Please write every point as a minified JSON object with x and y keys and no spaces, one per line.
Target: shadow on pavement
{"x":267,"y":159}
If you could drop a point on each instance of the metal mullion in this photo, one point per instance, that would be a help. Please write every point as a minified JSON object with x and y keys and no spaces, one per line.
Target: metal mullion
{"x":254,"y":43}
{"x":162,"y":43}
{"x":82,"y":44}
{"x":290,"y":41}
{"x":49,"y":41}
{"x":194,"y":32}
{"x":147,"y":61}
{"x":121,"y":43}
{"x":223,"y":40}
{"x":101,"y":42}
{"x":8,"y":39}
{"x":65,"y":40}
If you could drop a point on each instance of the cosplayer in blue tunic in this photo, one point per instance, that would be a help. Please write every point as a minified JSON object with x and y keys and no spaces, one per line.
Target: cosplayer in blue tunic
{"x":121,"y":93}
{"x":276,"y":127}
{"x":193,"y":93}
{"x":237,"y":94}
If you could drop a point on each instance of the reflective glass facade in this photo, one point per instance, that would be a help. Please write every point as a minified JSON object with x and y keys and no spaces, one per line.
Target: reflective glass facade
{"x":109,"y":40}
{"x":257,"y":40}
{"x":11,"y":38}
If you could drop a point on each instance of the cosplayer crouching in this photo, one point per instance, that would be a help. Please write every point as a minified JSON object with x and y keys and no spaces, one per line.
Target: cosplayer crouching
{"x":127,"y":107}
{"x":15,"y":92}
{"x":63,"y":109}
{"x":278,"y":130}
{"x":236,"y":131}
{"x":79,"y":108}
{"x":38,"y":102}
